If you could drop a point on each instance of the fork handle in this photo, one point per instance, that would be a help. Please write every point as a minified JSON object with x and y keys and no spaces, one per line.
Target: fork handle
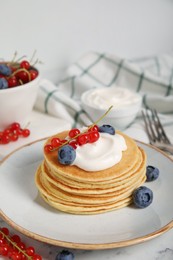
{"x":165,"y":147}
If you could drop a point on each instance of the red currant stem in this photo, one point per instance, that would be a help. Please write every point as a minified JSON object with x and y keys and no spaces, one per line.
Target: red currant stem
{"x":12,"y":61}
{"x":32,"y":57}
{"x":36,"y":61}
{"x":95,"y":123}
{"x":26,"y":126}
{"x":15,"y":55}
{"x":105,"y":114}
{"x":19,"y":59}
{"x":21,"y":82}
{"x":15,"y":72}
{"x":15,"y":245}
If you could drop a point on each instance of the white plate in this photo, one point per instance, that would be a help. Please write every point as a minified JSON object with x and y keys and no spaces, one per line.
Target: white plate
{"x":24,"y":210}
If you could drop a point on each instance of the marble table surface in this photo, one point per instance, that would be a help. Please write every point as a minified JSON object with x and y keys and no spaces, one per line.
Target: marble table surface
{"x":160,"y":248}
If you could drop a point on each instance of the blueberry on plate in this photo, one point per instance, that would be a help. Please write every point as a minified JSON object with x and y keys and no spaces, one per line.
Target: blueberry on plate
{"x":5,"y":70}
{"x":66,"y":154}
{"x":142,"y":197}
{"x":65,"y":255}
{"x":107,"y":129}
{"x":152,"y":173}
{"x":3,"y":83}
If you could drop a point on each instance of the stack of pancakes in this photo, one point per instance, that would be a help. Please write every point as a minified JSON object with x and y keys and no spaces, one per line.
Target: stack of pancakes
{"x":74,"y":190}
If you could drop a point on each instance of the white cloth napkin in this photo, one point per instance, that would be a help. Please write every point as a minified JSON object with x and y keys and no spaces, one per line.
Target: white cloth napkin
{"x":152,"y":77}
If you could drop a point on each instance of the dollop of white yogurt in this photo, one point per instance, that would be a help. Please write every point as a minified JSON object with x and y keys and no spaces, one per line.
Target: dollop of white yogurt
{"x":103,"y":98}
{"x":103,"y":154}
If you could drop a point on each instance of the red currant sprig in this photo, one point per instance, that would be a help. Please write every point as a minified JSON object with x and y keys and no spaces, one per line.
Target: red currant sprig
{"x":12,"y":133}
{"x":13,"y":248}
{"x":90,"y":135}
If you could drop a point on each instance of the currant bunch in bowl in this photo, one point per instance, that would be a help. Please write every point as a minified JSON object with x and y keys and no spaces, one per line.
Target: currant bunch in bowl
{"x":13,"y":74}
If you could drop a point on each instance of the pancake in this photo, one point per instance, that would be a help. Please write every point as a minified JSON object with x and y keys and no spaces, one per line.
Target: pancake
{"x":129,"y":159}
{"x":73,"y":190}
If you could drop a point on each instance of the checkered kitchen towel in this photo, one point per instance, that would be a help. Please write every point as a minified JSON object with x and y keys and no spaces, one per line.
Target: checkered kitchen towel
{"x":152,"y":77}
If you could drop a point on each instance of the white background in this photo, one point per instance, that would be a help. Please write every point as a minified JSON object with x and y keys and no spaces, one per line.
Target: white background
{"x":63,"y":30}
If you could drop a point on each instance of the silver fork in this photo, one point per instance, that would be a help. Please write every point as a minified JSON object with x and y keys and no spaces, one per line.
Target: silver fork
{"x":155,"y":131}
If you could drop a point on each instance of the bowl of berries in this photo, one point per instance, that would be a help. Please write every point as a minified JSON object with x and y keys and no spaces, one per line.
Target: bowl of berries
{"x":19,"y":83}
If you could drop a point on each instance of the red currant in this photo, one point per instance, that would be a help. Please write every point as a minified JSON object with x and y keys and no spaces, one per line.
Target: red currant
{"x":94,"y":136}
{"x":4,"y":249}
{"x":22,"y":256}
{"x":33,"y":74}
{"x":48,"y":148}
{"x":55,"y":142}
{"x":25,"y":132}
{"x":14,"y":137}
{"x":63,"y":141}
{"x":15,"y":126}
{"x":93,"y":128}
{"x":5,"y":231}
{"x":18,"y":131}
{"x":23,"y":76}
{"x":13,"y":69}
{"x":12,"y":82}
{"x":2,"y":241}
{"x":30,"y":251}
{"x":73,"y":143}
{"x":15,"y":256}
{"x":83,"y":139}
{"x":25,"y":64}
{"x":7,"y":131}
{"x":21,"y":245}
{"x":5,"y":139}
{"x":16,"y":239}
{"x":73,"y":132}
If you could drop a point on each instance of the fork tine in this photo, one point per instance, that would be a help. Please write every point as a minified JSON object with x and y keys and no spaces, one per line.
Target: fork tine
{"x":163,"y":135}
{"x":148,"y":126}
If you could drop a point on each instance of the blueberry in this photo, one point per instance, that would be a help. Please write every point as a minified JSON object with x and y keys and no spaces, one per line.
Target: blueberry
{"x":152,"y":173}
{"x":5,"y":70}
{"x":3,"y":83}
{"x":66,"y":154}
{"x":142,"y":197}
{"x":65,"y":255}
{"x":107,"y":129}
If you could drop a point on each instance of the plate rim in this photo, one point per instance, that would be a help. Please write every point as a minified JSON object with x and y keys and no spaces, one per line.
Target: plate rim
{"x":85,"y":246}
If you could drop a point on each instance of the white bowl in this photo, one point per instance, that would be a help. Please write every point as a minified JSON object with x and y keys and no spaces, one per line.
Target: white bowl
{"x":17,"y":103}
{"x":119,"y":117}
